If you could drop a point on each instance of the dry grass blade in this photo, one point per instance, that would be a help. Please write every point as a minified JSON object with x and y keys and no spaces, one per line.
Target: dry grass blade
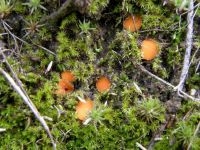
{"x":140,"y":146}
{"x":2,"y":129}
{"x":29,"y":103}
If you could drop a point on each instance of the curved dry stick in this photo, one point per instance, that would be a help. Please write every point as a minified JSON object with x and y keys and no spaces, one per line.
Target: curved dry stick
{"x":168,"y":84}
{"x":30,"y":104}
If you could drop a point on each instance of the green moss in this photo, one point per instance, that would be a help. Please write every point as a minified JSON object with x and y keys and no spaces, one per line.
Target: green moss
{"x":150,"y":110}
{"x":97,"y":6}
{"x":123,"y":50}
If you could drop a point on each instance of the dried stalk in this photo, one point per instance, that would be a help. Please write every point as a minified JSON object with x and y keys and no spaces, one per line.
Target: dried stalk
{"x":189,"y":41}
{"x":29,"y":103}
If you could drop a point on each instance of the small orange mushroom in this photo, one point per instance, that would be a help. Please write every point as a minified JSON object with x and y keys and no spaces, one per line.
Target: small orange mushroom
{"x":68,"y":76}
{"x":64,"y":87}
{"x":149,"y":49}
{"x":132,"y":23}
{"x":84,"y":108}
{"x":103,"y":84}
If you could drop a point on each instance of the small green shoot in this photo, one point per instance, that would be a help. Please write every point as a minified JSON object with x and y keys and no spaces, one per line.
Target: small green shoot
{"x":5,"y":8}
{"x":85,"y":27}
{"x":34,"y":5}
{"x":150,"y":110}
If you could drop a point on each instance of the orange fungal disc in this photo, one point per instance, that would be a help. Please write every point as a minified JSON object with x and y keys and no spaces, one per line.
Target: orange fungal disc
{"x":64,"y":87}
{"x":68,"y":76}
{"x":149,"y":49}
{"x":132,"y":23}
{"x":83,"y":109}
{"x":103,"y":84}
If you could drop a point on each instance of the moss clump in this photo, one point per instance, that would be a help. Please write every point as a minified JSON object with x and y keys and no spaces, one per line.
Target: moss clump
{"x":182,"y":134}
{"x":97,"y":6}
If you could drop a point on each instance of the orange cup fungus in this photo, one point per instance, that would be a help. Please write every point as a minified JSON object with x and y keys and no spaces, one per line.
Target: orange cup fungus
{"x":64,"y":87}
{"x":68,"y":76}
{"x":132,"y":23}
{"x":103,"y":84}
{"x":84,"y":108}
{"x":65,"y":84}
{"x":149,"y":49}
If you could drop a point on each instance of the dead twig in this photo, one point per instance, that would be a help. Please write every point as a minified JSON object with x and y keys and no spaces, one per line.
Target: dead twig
{"x":197,"y":68}
{"x":156,"y":136}
{"x":196,"y":6}
{"x":61,"y":12}
{"x":29,"y":103}
{"x":12,"y":71}
{"x":168,"y":84}
{"x":15,"y":38}
{"x":189,"y":41}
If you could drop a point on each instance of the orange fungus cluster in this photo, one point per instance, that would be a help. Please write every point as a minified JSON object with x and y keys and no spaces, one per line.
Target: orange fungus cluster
{"x":149,"y":47}
{"x":65,"y":84}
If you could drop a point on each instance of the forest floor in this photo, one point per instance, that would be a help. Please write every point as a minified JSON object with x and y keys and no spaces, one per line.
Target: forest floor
{"x":100,"y":74}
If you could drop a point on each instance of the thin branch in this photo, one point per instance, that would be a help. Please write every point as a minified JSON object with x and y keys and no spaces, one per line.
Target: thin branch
{"x":157,"y":135}
{"x":192,"y":59}
{"x":44,"y":48}
{"x":12,"y":71}
{"x":61,"y":12}
{"x":168,"y":84}
{"x":197,"y":5}
{"x":156,"y":77}
{"x":197,"y":68}
{"x":6,"y":27}
{"x":189,"y":41}
{"x":29,"y":103}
